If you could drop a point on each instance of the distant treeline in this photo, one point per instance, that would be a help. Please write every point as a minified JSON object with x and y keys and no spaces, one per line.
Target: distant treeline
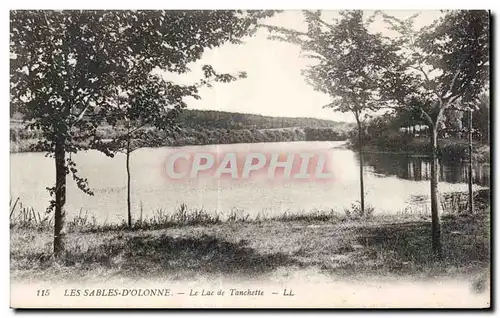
{"x":205,"y":136}
{"x":199,"y":127}
{"x":192,"y":118}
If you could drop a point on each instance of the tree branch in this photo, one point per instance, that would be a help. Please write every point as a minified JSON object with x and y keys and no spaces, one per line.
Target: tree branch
{"x":137,"y":128}
{"x":283,"y":30}
{"x":317,"y":18}
{"x":440,"y":113}
{"x":454,"y":95}
{"x":428,"y":117}
{"x":421,"y":69}
{"x":80,"y":115}
{"x":428,"y":80}
{"x":452,"y":84}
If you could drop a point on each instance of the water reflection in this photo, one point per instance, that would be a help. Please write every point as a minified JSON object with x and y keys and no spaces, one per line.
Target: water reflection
{"x":418,"y":168}
{"x":392,"y":182}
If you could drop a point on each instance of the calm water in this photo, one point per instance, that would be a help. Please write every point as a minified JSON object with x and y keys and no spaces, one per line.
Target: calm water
{"x":391,"y":181}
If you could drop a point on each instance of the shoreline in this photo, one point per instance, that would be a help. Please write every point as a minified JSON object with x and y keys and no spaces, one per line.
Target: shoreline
{"x":397,"y":246}
{"x":26,"y":146}
{"x":448,"y":151}
{"x":482,"y":155}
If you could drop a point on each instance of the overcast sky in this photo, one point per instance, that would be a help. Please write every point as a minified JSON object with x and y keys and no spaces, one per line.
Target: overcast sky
{"x":274,"y":86}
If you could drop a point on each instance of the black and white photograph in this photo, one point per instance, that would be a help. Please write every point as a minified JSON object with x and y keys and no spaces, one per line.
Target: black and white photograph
{"x":250,"y":158}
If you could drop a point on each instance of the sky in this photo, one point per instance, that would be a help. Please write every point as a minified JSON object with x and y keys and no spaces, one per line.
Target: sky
{"x":274,"y":85}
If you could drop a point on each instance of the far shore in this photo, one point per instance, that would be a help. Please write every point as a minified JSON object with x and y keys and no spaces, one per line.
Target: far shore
{"x":481,"y":154}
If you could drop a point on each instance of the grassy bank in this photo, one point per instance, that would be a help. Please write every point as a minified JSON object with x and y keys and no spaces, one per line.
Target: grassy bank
{"x":343,"y":245}
{"x":23,"y":217}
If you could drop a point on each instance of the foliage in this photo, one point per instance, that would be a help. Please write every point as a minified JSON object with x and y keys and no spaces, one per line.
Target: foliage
{"x":203,"y":127}
{"x":384,"y":132}
{"x":351,"y":63}
{"x":356,"y":213}
{"x":350,"y":60}
{"x":440,"y":65}
{"x":443,"y":66}
{"x":192,"y":118}
{"x":66,"y":67}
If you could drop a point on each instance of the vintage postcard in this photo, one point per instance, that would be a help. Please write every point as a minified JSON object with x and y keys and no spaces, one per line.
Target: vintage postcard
{"x":250,"y":159}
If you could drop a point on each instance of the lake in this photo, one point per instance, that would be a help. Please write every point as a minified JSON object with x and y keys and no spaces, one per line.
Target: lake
{"x":392,"y":181}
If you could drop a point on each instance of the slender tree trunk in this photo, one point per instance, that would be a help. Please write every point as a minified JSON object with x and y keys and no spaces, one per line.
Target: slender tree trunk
{"x":129,"y":210}
{"x":361,"y":180}
{"x":471,"y":194}
{"x":435,"y":204}
{"x":60,"y":198}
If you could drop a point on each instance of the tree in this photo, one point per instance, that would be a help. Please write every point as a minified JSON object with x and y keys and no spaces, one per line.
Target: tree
{"x":65,"y":65}
{"x":441,"y":65}
{"x":481,"y":118}
{"x":351,"y":61}
{"x":141,"y":103}
{"x":147,"y":103}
